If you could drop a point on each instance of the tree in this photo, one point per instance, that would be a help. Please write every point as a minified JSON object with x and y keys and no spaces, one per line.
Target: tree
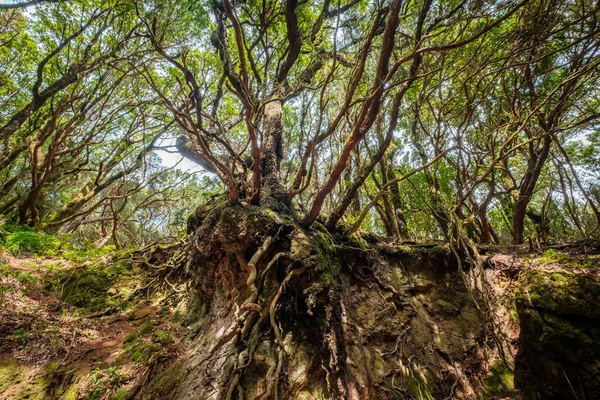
{"x":315,"y":128}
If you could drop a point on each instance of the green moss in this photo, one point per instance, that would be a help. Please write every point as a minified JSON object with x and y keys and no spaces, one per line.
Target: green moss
{"x":143,"y":353}
{"x":131,"y":337}
{"x":42,"y":387}
{"x":440,"y":248}
{"x":10,"y":374}
{"x":129,"y":348}
{"x":551,"y":256}
{"x":88,"y":252}
{"x":145,"y":328}
{"x":357,"y":241}
{"x":499,"y":379}
{"x":121,"y":394}
{"x":57,"y":382}
{"x":197,"y":217}
{"x":583,"y":264}
{"x":137,"y":348}
{"x":562,"y":292}
{"x":60,"y":382}
{"x":34,"y":391}
{"x":71,"y":392}
{"x":269,"y":213}
{"x":326,"y":258}
{"x":161,"y":387}
{"x":95,"y":287}
{"x":514,"y":316}
{"x":550,"y":253}
{"x":325,"y":243}
{"x":131,"y":341}
{"x":553,"y":311}
{"x":133,"y":344}
{"x":408,"y":250}
{"x":161,"y":336}
{"x":163,"y":313}
{"x":318,"y":250}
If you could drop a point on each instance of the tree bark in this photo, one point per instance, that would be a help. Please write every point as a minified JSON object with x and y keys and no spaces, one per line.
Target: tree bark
{"x":534,"y":169}
{"x":519,"y":210}
{"x":272,"y":152}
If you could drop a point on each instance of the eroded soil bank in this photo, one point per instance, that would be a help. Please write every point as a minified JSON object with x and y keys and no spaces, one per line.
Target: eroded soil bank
{"x":256,"y":307}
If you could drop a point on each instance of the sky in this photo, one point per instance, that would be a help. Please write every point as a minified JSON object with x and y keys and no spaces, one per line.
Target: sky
{"x":13,"y":2}
{"x":172,"y":158}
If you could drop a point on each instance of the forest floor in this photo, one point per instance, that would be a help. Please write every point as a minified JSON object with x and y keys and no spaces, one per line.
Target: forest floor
{"x":78,"y":329}
{"x":86,"y":327}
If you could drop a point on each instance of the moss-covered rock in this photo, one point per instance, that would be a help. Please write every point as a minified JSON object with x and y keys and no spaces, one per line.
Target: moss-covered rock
{"x":564,"y":292}
{"x":95,"y":287}
{"x":318,"y":250}
{"x":560,"y":334}
{"x":162,"y":387}
{"x":143,"y":352}
{"x":121,"y":394}
{"x":161,"y":336}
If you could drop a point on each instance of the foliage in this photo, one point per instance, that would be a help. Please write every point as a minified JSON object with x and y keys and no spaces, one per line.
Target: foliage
{"x":24,"y":239}
{"x":479,"y":119}
{"x":103,"y":381}
{"x":21,"y":336}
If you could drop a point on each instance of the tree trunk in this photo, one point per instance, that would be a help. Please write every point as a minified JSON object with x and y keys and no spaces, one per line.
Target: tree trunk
{"x":28,"y":205}
{"x":535,"y":164}
{"x":271,"y":153}
{"x":519,"y":212}
{"x":396,"y":200}
{"x":486,"y":227}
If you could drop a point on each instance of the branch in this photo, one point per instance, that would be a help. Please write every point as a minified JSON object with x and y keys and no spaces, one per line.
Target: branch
{"x":383,"y":191}
{"x":294,"y":39}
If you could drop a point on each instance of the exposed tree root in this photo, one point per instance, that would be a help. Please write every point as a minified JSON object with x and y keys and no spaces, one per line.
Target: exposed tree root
{"x":463,"y":248}
{"x":280,"y":348}
{"x":240,"y":349}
